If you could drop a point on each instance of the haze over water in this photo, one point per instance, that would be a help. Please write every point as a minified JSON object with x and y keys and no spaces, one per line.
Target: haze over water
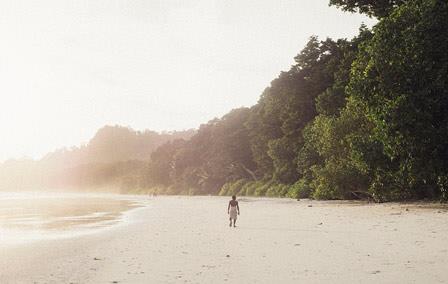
{"x":31,"y":216}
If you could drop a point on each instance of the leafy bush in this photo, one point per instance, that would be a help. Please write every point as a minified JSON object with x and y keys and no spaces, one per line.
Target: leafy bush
{"x":232,"y":188}
{"x":300,"y":189}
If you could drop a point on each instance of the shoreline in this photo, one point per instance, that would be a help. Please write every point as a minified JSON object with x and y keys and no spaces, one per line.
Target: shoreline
{"x":26,"y":217}
{"x":187,"y":240}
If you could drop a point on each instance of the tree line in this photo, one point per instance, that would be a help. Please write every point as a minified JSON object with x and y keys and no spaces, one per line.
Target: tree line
{"x":359,"y":118}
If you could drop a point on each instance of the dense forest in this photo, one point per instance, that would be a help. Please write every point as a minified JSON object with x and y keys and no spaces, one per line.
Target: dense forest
{"x":359,"y":118}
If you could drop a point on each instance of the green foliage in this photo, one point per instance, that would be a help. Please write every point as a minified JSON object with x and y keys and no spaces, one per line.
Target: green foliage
{"x":442,"y":183}
{"x":300,"y":189}
{"x":288,"y":105}
{"x":252,"y":187}
{"x":236,"y":187}
{"x":401,"y":75}
{"x":340,"y":170}
{"x":277,"y":190}
{"x":245,"y":189}
{"x":224,"y":189}
{"x":218,"y":153}
{"x":262,"y":188}
{"x":377,"y":8}
{"x":161,"y":164}
{"x":233,"y":188}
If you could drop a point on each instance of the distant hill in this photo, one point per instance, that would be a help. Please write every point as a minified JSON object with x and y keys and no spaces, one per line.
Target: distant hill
{"x":112,"y":151}
{"x":115,"y":144}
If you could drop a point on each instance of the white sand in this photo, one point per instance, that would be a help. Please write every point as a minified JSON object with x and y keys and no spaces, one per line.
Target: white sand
{"x":187,"y":240}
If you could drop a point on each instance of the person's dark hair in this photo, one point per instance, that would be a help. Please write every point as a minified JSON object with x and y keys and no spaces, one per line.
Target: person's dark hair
{"x":233,"y":197}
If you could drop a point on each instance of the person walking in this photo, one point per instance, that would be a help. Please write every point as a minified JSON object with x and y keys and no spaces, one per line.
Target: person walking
{"x":233,"y":210}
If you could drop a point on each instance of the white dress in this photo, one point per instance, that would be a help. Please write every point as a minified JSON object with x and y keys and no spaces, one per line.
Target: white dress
{"x":233,"y":213}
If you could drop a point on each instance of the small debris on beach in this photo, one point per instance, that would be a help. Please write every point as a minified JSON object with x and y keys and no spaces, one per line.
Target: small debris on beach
{"x":228,"y":255}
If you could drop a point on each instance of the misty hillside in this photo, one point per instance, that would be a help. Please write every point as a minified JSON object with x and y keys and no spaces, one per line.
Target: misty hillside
{"x":114,"y":151}
{"x":115,"y":144}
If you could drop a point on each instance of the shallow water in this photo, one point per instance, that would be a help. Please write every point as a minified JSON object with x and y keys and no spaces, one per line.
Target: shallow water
{"x":34,"y":216}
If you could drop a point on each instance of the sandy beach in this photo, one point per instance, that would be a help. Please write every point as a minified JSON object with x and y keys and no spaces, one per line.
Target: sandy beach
{"x":188,"y":240}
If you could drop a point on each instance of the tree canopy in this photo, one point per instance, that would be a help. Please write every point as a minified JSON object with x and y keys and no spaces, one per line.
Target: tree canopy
{"x":377,"y":8}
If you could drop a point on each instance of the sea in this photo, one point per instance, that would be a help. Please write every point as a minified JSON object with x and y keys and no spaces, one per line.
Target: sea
{"x":32,"y":216}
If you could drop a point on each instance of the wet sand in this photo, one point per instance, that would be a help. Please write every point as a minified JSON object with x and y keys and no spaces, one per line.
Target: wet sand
{"x":188,"y":240}
{"x":32,"y":217}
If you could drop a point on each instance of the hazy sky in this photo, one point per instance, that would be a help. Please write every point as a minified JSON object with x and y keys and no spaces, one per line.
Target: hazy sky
{"x":68,"y":68}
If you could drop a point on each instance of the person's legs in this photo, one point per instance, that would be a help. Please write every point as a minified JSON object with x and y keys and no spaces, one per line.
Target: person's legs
{"x":230,"y":219}
{"x":234,"y":222}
